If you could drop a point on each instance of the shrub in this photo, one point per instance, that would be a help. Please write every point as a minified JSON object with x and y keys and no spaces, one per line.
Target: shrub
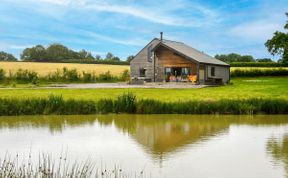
{"x":70,"y":75}
{"x":125,"y":76}
{"x":88,"y":77}
{"x":257,"y":64}
{"x":259,"y":72}
{"x":105,"y":77}
{"x":25,"y":76}
{"x":2,"y":74}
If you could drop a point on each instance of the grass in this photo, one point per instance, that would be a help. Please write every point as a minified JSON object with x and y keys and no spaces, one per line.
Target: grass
{"x":45,"y":68}
{"x":47,"y":166}
{"x":241,"y":88}
{"x":127,"y":103}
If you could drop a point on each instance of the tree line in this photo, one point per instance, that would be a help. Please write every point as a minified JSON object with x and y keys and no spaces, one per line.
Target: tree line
{"x":58,"y":53}
{"x":234,"y":57}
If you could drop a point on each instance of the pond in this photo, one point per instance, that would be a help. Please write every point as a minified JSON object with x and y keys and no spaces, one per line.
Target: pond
{"x":161,"y":145}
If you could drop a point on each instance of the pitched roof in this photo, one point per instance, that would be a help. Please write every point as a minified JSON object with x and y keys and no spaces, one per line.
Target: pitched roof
{"x":190,"y":52}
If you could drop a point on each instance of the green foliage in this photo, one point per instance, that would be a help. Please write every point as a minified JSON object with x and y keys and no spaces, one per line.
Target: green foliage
{"x":233,"y":57}
{"x":59,"y":53}
{"x":7,"y":57}
{"x":88,"y":77}
{"x":259,"y":72}
{"x":105,"y":77}
{"x":25,"y":76}
{"x":36,"y":53}
{"x":278,"y":44}
{"x":257,"y":64}
{"x":127,"y":103}
{"x":129,"y":58}
{"x":125,"y":76}
{"x":2,"y":74}
{"x":62,"y":76}
{"x":264,"y":60}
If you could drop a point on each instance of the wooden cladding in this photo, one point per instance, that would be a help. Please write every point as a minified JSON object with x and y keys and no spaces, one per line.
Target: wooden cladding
{"x":167,"y":58}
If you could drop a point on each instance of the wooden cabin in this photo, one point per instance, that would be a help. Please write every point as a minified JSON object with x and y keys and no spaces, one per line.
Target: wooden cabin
{"x":170,"y":61}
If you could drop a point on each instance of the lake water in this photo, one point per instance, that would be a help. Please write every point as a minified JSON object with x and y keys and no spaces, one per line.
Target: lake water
{"x":161,"y":145}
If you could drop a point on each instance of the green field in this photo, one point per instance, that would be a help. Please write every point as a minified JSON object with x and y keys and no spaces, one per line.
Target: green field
{"x":241,"y":88}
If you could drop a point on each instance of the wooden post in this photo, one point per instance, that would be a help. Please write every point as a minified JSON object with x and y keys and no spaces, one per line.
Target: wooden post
{"x":198,"y":81}
{"x":154,"y":64}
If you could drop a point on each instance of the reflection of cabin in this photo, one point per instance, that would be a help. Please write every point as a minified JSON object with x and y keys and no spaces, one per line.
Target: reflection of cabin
{"x":170,"y":61}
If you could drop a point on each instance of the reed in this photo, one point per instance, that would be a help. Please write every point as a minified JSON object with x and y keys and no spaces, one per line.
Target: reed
{"x":48,"y":167}
{"x":127,"y":103}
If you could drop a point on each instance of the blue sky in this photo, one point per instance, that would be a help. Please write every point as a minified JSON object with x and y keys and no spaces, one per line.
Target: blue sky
{"x":123,"y":27}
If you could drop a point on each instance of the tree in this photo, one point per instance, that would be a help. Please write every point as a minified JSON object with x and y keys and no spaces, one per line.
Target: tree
{"x":264,"y":60}
{"x":58,"y":52}
{"x":115,"y":58}
{"x":233,"y":57}
{"x":98,"y":57}
{"x":36,"y":53}
{"x":278,"y":44}
{"x":7,"y":56}
{"x":83,"y":54}
{"x":129,"y":58}
{"x":109,"y":56}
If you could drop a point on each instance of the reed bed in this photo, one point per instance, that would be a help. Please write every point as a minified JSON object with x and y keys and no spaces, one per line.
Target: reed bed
{"x":128,"y":103}
{"x":48,"y":167}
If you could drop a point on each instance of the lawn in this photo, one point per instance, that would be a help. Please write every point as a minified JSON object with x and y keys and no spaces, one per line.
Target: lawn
{"x":45,"y":68}
{"x":261,"y":87}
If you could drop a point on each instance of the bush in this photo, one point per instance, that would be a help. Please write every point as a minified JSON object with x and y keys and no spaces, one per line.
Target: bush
{"x":125,"y":76}
{"x":70,"y":75}
{"x":88,"y":77}
{"x":257,"y":64}
{"x":2,"y":74}
{"x":259,"y":72}
{"x":25,"y":76}
{"x":105,"y":77}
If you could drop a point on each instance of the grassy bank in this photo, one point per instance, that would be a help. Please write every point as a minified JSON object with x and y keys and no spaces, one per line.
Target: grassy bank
{"x":127,"y":103}
{"x":240,"y":88}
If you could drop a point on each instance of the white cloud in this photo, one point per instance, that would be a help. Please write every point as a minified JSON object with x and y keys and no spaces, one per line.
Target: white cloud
{"x":150,"y":14}
{"x":132,"y":42}
{"x":260,"y":30}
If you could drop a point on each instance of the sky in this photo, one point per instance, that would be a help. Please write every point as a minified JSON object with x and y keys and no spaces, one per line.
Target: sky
{"x":124,"y":27}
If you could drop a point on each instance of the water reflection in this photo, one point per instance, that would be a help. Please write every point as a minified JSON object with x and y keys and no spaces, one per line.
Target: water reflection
{"x":159,"y":135}
{"x":278,"y":149}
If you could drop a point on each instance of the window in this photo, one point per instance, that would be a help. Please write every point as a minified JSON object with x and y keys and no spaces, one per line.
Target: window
{"x":212,"y":71}
{"x":149,"y":53}
{"x":142,"y":72}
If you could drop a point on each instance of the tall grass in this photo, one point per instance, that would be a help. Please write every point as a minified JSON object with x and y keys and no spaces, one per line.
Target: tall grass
{"x":127,"y":103}
{"x":48,"y":167}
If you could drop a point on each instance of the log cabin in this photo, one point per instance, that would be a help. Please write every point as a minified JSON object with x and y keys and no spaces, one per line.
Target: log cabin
{"x":164,"y":60}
